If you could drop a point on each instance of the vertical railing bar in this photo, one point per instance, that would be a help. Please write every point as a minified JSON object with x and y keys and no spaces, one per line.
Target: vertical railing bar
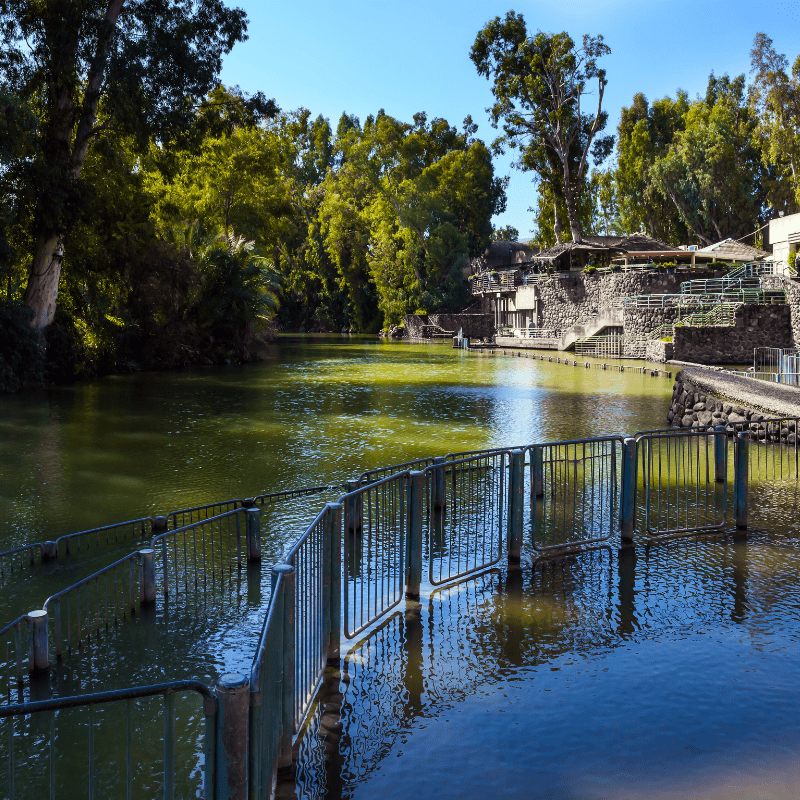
{"x":52,"y":755}
{"x":128,"y":751}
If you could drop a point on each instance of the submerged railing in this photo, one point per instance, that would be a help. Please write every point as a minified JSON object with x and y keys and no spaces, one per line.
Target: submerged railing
{"x":396,"y":533}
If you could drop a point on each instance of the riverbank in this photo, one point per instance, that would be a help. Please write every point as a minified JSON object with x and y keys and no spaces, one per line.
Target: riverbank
{"x":704,"y":397}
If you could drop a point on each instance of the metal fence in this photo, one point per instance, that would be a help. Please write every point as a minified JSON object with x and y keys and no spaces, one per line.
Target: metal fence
{"x":203,"y":554}
{"x":81,"y":611}
{"x":574,"y":490}
{"x":91,"y":725}
{"x":270,"y":715}
{"x":684,"y":479}
{"x":359,"y":558}
{"x":310,"y":559}
{"x":467,"y":514}
{"x":375,"y":520}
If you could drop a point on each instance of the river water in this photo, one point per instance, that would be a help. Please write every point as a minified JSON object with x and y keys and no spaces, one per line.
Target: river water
{"x":657,"y":672}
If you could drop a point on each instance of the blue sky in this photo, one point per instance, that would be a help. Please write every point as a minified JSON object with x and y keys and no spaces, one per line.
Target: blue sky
{"x":359,"y":56}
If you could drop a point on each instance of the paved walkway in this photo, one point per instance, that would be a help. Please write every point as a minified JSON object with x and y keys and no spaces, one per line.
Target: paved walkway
{"x":753,"y":392}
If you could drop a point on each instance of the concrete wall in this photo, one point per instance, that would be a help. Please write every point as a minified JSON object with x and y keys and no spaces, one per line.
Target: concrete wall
{"x":476,"y":326}
{"x":756,"y":326}
{"x":780,"y":232}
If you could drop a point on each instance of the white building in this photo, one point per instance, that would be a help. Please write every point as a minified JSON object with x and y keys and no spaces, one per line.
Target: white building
{"x":784,"y":236}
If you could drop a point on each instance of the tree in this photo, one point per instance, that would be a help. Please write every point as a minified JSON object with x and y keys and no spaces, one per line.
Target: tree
{"x":645,"y":133}
{"x":98,"y":68}
{"x":508,"y":233}
{"x":712,"y":171}
{"x":775,"y":99}
{"x":404,"y":209}
{"x":230,"y":179}
{"x":539,"y":83}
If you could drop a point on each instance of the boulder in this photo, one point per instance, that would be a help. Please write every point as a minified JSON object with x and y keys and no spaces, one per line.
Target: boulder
{"x":734,"y":417}
{"x":699,"y":407}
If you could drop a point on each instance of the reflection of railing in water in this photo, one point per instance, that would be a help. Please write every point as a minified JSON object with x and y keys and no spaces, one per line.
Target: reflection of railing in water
{"x":358,"y":560}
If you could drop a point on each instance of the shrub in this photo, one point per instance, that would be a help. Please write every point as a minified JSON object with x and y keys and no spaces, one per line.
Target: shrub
{"x":589,"y":269}
{"x":791,"y":260}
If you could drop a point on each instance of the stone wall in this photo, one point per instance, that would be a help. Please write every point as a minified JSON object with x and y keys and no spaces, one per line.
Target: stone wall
{"x":694,"y":407}
{"x":641,"y":321}
{"x":756,"y":326}
{"x":475,"y":326}
{"x":793,"y":300}
{"x":562,"y":300}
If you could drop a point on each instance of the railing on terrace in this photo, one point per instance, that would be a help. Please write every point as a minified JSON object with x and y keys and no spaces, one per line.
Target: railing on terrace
{"x":504,"y":281}
{"x":684,"y":300}
{"x":720,"y":285}
{"x":531,"y":333}
{"x":600,"y":346}
{"x":775,"y":364}
{"x":453,"y":518}
{"x":751,"y":271}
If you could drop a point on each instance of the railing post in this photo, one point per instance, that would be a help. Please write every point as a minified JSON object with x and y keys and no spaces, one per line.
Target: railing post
{"x":159,"y":525}
{"x":49,"y":551}
{"x":720,"y":454}
{"x":414,"y":542}
{"x":629,"y":480}
{"x":439,"y":493}
{"x":39,"y":653}
{"x":147,"y":579}
{"x":537,"y":469}
{"x":233,"y":698}
{"x":354,"y":511}
{"x":335,"y":593}
{"x":253,"y":535}
{"x":516,"y":505}
{"x":741,"y":479}
{"x":287,"y":699}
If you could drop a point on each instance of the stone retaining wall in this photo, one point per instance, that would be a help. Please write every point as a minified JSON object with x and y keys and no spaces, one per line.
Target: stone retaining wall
{"x":562,"y":300}
{"x":475,"y":326}
{"x":693,"y":406}
{"x":756,"y":326}
{"x":641,"y":321}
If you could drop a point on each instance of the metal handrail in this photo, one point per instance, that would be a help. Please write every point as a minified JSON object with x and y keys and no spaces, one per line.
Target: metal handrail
{"x":479,"y":492}
{"x":131,"y":693}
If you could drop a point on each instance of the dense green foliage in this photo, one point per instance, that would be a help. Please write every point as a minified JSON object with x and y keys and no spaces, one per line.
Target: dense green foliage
{"x":700,"y":171}
{"x":152,"y":218}
{"x":538,"y":84}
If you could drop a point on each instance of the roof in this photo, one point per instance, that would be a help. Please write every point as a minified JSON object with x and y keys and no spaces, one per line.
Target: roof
{"x":637,"y":242}
{"x":730,"y":249}
{"x":503,"y":254}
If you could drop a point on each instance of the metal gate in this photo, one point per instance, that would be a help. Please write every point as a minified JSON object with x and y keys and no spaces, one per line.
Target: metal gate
{"x":574,"y":492}
{"x":683,"y":478}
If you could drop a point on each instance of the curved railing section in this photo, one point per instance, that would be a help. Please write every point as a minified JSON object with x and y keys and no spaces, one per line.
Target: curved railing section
{"x":396,"y":538}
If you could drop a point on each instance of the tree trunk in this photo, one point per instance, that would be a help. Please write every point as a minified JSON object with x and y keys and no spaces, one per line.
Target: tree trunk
{"x":556,"y":222}
{"x":574,"y":225}
{"x":42,"y":292}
